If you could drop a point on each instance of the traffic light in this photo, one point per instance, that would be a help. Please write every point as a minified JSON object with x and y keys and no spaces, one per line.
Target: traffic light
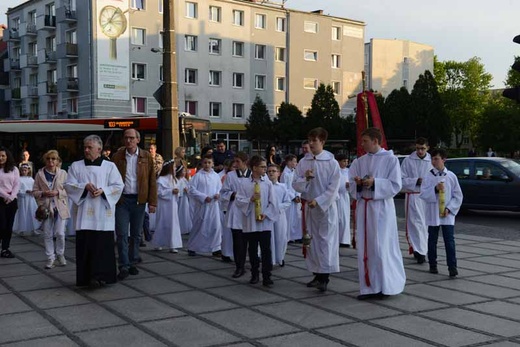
{"x":514,"y":92}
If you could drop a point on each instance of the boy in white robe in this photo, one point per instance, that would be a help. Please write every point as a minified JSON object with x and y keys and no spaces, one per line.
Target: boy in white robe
{"x":317,"y":179}
{"x":441,"y":181}
{"x":204,"y":190}
{"x":293,"y":213}
{"x":279,"y":235}
{"x":343,"y":202}
{"x":413,"y":170}
{"x":375,"y":178}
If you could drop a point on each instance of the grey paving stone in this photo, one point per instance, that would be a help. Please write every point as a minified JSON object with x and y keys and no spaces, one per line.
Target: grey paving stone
{"x":148,"y":256}
{"x":504,"y":344}
{"x":480,"y":239}
{"x":498,"y":280}
{"x":84,"y":317}
{"x":249,"y":323}
{"x":10,"y":303}
{"x":515,"y":274}
{"x":202,"y":280}
{"x":144,"y":309}
{"x":27,"y":325}
{"x":155,"y":285}
{"x":498,"y":247}
{"x":299,"y":339}
{"x":444,"y":334}
{"x":290,"y":271}
{"x":246,"y":294}
{"x":477,"y":321}
{"x":55,"y":297}
{"x":4,"y":290}
{"x":515,"y":264}
{"x":351,"y":307}
{"x":481,"y":289}
{"x":350,"y":275}
{"x":166,"y":268}
{"x":67,"y":277}
{"x":119,"y":336}
{"x":509,"y":243}
{"x":16,"y":269}
{"x":190,"y":332}
{"x":303,"y":315}
{"x":26,"y":247}
{"x":499,"y":308}
{"x":297,"y":290}
{"x":361,"y":334}
{"x":442,"y":294}
{"x":55,"y":341}
{"x":31,"y":282}
{"x":410,"y":303}
{"x":511,"y":255}
{"x":478,"y":250}
{"x":473,"y":264}
{"x":111,"y":292}
{"x":206,"y":263}
{"x":33,"y":256}
{"x":197,"y":301}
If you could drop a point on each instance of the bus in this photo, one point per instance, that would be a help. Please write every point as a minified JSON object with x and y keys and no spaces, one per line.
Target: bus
{"x":66,"y":135}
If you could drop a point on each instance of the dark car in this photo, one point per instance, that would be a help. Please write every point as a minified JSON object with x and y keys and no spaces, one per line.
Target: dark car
{"x":490,"y":183}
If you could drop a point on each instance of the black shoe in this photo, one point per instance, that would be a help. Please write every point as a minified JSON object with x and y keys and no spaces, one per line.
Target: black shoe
{"x":416,"y":254}
{"x":226,"y":259}
{"x":421,"y":259}
{"x":369,"y":296}
{"x":344,"y":245}
{"x":239,"y":273}
{"x":453,"y":272}
{"x":142,"y":244}
{"x":282,"y":264}
{"x":322,"y":286}
{"x":6,"y":254}
{"x":254,"y":279}
{"x":191,"y":253}
{"x":267,"y":281}
{"x":217,"y":254}
{"x":313,"y":284}
{"x":433,"y":269}
{"x":133,"y":271}
{"x":123,"y":273}
{"x":298,"y":241}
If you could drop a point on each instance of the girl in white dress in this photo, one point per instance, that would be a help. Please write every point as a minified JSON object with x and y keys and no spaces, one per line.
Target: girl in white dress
{"x":25,"y":222}
{"x":167,"y":229}
{"x":184,"y":200}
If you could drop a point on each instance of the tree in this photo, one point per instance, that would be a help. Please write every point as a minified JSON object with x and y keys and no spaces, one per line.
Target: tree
{"x":324,"y":112}
{"x":259,"y":126}
{"x":396,"y":115}
{"x":288,"y":124}
{"x":464,"y":92}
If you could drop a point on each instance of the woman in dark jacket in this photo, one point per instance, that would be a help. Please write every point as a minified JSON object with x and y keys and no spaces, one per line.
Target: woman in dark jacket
{"x":272,"y":157}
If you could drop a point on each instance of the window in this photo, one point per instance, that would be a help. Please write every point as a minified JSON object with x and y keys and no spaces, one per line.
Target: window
{"x":310,"y":83}
{"x":50,"y":43}
{"x":31,"y":18}
{"x":260,"y":21}
{"x":161,"y":39}
{"x":190,"y":43}
{"x":138,"y":36}
{"x":336,"y":33}
{"x":138,"y":105}
{"x":238,"y":110}
{"x":280,"y":24}
{"x":71,"y":36}
{"x":161,"y":10}
{"x":238,"y":17}
{"x":214,"y":13}
{"x":310,"y":55}
{"x":215,"y":78}
{"x":191,"y":10}
{"x":214,"y":46}
{"x":280,"y":54}
{"x":161,"y":73}
{"x":280,"y":83}
{"x":260,"y":82}
{"x":138,"y":71}
{"x":190,"y":76}
{"x":310,"y":27}
{"x":52,"y":107}
{"x":52,"y":76}
{"x":72,"y":71}
{"x":460,"y":168}
{"x":32,"y":48}
{"x":336,"y":87}
{"x":72,"y":105}
{"x":238,"y":80}
{"x":138,"y":4}
{"x":335,"y":59}
{"x":259,"y":51}
{"x":215,"y":109}
{"x":238,"y":49}
{"x":33,"y":79}
{"x":190,"y":107}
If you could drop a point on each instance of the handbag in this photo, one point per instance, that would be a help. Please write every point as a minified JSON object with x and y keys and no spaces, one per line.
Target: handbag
{"x":42,"y":213}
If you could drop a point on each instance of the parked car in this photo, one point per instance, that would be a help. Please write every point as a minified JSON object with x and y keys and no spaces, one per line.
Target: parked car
{"x":490,"y":183}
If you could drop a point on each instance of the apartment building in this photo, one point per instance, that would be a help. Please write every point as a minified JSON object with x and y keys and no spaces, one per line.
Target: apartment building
{"x":100,"y":58}
{"x":392,"y":64}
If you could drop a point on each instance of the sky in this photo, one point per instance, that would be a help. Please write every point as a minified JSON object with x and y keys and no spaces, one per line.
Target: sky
{"x":457,"y":29}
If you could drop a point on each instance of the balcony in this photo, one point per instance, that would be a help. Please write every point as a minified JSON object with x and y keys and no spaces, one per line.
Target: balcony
{"x":11,"y":35}
{"x":28,"y":60}
{"x":64,"y":15}
{"x":11,"y":64}
{"x":29,"y":92}
{"x":46,"y":22}
{"x":13,"y":94}
{"x":67,"y":50}
{"x":68,"y":84}
{"x":28,"y":29}
{"x":52,"y":88}
{"x":46,"y":56}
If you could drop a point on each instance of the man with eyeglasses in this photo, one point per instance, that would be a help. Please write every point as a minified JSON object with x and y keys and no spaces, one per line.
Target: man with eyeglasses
{"x":136,"y":167}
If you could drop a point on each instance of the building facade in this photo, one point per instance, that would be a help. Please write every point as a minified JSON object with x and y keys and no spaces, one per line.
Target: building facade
{"x":102,"y":58}
{"x":391,"y":64}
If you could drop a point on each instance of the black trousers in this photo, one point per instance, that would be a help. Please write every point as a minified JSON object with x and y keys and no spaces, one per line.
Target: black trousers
{"x":239,"y":248}
{"x":95,"y":257}
{"x":7,"y":213}
{"x":262,"y":238}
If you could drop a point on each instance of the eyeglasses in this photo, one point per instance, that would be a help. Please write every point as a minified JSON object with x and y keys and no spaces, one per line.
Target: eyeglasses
{"x":52,"y":158}
{"x":272,"y":171}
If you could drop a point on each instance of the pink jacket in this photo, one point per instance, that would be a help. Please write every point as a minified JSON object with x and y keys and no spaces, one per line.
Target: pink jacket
{"x":61,"y":200}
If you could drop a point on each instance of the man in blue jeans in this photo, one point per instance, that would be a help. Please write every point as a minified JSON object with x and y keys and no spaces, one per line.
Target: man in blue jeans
{"x":136,"y":167}
{"x":441,"y":191}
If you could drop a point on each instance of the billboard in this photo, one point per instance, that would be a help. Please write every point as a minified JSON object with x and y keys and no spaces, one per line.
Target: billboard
{"x":113,"y":45}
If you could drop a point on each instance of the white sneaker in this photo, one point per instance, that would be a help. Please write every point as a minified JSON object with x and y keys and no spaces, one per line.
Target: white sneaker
{"x":157,"y":249}
{"x":173,"y":250}
{"x":50,"y":264}
{"x":61,"y":260}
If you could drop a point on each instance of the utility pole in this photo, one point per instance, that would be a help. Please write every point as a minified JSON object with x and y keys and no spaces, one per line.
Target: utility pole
{"x":170,"y":111}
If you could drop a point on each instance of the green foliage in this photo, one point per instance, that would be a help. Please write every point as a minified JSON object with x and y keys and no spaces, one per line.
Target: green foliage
{"x":259,"y":126}
{"x":324,"y":112}
{"x":288,"y":124}
{"x":397,"y":116}
{"x":513,"y":76}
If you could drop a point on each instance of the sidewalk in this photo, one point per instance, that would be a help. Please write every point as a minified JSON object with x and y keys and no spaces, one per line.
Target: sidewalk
{"x":178,"y":300}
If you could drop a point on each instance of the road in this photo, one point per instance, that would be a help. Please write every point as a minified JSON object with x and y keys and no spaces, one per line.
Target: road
{"x":499,"y":224}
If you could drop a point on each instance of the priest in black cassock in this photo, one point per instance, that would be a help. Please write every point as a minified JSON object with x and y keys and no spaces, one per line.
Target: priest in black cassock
{"x":94,"y":185}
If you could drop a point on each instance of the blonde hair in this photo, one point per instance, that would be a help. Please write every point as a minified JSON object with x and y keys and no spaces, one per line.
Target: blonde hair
{"x":49,"y":153}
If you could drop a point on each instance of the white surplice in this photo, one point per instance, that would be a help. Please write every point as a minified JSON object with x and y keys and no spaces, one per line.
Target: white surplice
{"x":24,"y":219}
{"x":416,"y":229}
{"x":167,"y":229}
{"x":185,"y":219}
{"x":294,"y":212}
{"x":344,"y":208}
{"x":279,"y":234}
{"x":376,"y":206}
{"x":206,"y":232}
{"x":322,"y":221}
{"x":269,"y":205}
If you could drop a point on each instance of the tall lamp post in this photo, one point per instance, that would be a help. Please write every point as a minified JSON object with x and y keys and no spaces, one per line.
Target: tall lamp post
{"x":170,"y":111}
